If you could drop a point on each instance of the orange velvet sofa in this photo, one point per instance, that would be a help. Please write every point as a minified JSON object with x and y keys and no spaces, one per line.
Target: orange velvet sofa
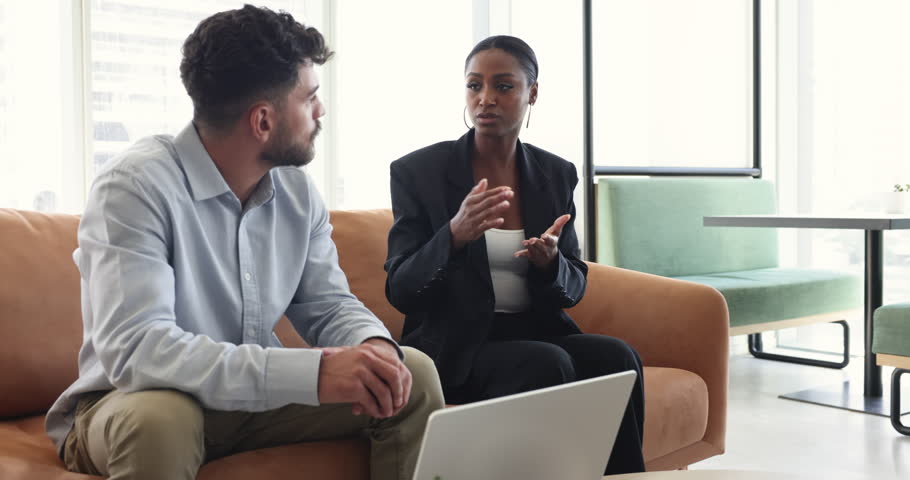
{"x":680,"y":329}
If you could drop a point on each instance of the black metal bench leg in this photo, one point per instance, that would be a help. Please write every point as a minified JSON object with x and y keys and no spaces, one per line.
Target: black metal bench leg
{"x":896,"y":401}
{"x":757,"y":350}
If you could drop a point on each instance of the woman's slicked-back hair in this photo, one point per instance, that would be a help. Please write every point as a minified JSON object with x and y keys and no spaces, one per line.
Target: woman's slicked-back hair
{"x":515,"y":47}
{"x":239,"y":57}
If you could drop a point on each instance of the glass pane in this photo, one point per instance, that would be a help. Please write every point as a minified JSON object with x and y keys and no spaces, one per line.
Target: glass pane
{"x":135,"y":47}
{"x":673,"y":83}
{"x":399,"y":86}
{"x":40,"y":154}
{"x":557,"y":121}
{"x":860,"y":126}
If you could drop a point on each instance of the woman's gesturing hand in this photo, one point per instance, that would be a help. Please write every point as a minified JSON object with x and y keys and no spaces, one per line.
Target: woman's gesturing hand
{"x":541,"y":251}
{"x":480,"y":211}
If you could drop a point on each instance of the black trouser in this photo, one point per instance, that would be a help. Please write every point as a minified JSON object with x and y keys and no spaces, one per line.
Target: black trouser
{"x":505,"y":365}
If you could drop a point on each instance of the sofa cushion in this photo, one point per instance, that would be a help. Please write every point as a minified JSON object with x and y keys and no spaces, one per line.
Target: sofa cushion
{"x":323,"y":460}
{"x":892,"y":330}
{"x":40,"y":316}
{"x":655,"y":225}
{"x":772,"y":294}
{"x":25,"y":439}
{"x":26,"y":453}
{"x":361,"y":237}
{"x":676,"y":410}
{"x":676,"y":415}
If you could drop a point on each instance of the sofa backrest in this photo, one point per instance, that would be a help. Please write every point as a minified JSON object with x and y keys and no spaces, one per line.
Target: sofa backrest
{"x":41,"y":319}
{"x":655,"y":224}
{"x":361,"y":237}
{"x":40,"y":316}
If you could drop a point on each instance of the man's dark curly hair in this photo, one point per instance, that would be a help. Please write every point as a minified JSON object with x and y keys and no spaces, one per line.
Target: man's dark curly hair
{"x":239,"y":57}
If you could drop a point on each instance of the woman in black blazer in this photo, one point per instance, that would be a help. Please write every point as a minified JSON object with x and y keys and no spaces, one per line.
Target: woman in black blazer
{"x":483,"y":256}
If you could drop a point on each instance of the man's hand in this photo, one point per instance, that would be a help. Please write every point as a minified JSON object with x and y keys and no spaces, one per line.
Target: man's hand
{"x":542,"y":251}
{"x":370,"y":376}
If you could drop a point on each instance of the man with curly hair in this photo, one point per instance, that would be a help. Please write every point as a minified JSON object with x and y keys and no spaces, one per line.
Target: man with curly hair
{"x":191,"y":248}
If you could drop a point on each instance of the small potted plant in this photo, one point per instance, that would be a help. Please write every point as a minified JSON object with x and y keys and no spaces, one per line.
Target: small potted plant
{"x":899,"y":199}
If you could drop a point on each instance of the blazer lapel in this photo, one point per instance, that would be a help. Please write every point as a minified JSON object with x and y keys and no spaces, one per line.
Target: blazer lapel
{"x":459,"y":173}
{"x":538,"y":207}
{"x":460,"y":176}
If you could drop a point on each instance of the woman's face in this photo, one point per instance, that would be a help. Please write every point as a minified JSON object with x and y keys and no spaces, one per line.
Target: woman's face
{"x":497,"y":93}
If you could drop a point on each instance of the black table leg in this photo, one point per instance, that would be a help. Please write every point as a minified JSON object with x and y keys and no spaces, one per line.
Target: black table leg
{"x":873,"y":299}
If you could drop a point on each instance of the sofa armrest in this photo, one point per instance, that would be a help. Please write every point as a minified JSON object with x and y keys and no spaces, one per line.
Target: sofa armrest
{"x":670,"y":323}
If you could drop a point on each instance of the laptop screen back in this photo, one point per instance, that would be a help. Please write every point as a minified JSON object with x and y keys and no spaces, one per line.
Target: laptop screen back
{"x":562,"y":432}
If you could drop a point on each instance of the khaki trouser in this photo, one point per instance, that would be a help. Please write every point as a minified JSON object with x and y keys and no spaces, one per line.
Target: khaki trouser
{"x":155,"y":434}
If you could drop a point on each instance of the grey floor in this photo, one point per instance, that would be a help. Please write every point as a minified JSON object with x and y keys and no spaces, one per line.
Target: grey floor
{"x":767,"y":433}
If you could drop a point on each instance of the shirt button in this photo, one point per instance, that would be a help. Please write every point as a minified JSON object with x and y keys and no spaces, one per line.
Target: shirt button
{"x":251,"y":332}
{"x":247,"y":276}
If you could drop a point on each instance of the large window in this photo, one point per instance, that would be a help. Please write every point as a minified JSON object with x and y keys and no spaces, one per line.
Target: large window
{"x":842,"y":121}
{"x":672,"y":83}
{"x":79,"y":81}
{"x":556,"y":122}
{"x":849,"y":137}
{"x":398,"y":85}
{"x":90,"y":78}
{"x":108,"y":75}
{"x":136,"y":89}
{"x":84,"y":80}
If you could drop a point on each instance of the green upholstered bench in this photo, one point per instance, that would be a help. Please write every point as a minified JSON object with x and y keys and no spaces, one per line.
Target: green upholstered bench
{"x":891,"y":345}
{"x":655,"y":225}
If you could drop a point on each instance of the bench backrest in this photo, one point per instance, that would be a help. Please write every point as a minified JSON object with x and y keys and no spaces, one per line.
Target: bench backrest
{"x":655,"y":224}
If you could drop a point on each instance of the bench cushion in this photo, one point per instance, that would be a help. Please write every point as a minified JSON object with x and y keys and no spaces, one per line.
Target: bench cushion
{"x":656,"y":225}
{"x":892,"y":330}
{"x":772,"y":294}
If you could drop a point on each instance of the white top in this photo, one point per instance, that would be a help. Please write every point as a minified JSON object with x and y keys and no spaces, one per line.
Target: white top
{"x":510,"y":274}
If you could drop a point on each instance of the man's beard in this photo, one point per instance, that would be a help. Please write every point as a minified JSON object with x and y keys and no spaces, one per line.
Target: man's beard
{"x":284,"y":153}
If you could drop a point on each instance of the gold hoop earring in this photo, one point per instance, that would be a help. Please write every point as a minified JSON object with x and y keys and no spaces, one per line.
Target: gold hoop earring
{"x":463,"y":114}
{"x":528,"y":123}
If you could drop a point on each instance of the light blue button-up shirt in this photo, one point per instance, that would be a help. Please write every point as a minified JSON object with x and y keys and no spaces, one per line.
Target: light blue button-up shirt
{"x":182,"y":285}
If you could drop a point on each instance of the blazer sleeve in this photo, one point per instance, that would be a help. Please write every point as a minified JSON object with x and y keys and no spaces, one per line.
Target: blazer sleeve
{"x":564,"y":285}
{"x":420,"y":257}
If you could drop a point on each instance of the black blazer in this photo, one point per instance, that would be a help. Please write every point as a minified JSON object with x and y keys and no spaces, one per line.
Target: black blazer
{"x":448,"y":300}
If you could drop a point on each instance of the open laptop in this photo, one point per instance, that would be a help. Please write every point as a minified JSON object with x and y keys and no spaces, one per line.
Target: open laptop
{"x":563,"y":432}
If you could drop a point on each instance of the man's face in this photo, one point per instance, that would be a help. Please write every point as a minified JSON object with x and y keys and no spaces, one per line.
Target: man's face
{"x":298,"y":124}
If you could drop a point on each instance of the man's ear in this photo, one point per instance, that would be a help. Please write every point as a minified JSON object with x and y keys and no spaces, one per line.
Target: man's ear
{"x":262,"y":121}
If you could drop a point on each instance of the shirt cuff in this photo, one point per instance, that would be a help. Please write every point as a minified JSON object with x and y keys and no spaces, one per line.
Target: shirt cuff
{"x":292,"y":376}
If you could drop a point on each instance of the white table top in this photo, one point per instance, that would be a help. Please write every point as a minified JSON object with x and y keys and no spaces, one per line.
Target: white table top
{"x":721,"y":475}
{"x":868,"y":221}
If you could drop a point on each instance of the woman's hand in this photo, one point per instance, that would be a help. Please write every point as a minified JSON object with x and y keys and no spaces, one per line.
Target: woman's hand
{"x":480,"y":211}
{"x":542,"y":251}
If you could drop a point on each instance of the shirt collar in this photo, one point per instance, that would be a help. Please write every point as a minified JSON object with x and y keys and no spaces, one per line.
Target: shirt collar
{"x":264,"y":192}
{"x":205,"y":179}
